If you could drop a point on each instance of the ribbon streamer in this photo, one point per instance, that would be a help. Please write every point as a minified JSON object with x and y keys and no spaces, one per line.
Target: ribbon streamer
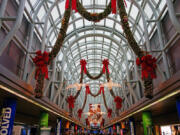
{"x":113,"y":6}
{"x":105,"y":66}
{"x":74,"y":5}
{"x":83,"y":66}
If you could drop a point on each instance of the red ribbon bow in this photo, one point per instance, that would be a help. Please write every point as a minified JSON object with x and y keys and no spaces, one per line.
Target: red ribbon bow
{"x":118,"y":102}
{"x":80,"y":111}
{"x":109,"y":113}
{"x":41,"y":61}
{"x":83,"y":66}
{"x":71,"y":101}
{"x":105,"y":65}
{"x":87,"y":89}
{"x":113,"y":6}
{"x":101,"y":90}
{"x":148,"y":66}
{"x":74,"y":5}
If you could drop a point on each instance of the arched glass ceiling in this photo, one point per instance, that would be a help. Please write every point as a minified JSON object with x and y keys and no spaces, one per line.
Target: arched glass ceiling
{"x":93,"y":41}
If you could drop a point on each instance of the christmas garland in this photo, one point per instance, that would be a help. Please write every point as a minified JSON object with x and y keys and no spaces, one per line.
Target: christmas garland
{"x":95,"y":17}
{"x":40,"y":74}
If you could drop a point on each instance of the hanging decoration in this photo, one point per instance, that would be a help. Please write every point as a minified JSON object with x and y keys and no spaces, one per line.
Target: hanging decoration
{"x":95,"y":17}
{"x":118,"y":102}
{"x":41,"y":62}
{"x":109,"y":113}
{"x":74,"y":7}
{"x":83,"y":66}
{"x":148,"y":66}
{"x":80,"y":111}
{"x":87,"y":89}
{"x":113,"y":6}
{"x":105,"y":66}
{"x":71,"y":101}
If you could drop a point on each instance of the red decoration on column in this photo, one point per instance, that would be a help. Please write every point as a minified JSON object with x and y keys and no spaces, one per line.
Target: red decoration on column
{"x":71,"y":101}
{"x":80,"y":111}
{"x":41,"y":61}
{"x":83,"y":66}
{"x":113,"y":6}
{"x":109,"y":113}
{"x":105,"y":65}
{"x":101,"y":90}
{"x":148,"y":66}
{"x":67,"y":4}
{"x":118,"y":101}
{"x":87,"y":89}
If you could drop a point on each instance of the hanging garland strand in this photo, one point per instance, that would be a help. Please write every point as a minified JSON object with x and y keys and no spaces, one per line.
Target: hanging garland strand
{"x":95,"y":17}
{"x":62,"y":34}
{"x":148,"y":83}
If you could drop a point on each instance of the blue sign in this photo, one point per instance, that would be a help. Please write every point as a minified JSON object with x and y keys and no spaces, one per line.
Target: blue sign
{"x":178,"y":107}
{"x":58,"y":127}
{"x":132,"y":126}
{"x":7,"y":117}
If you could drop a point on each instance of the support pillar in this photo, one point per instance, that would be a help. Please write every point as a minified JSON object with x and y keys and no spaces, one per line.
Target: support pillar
{"x":7,"y":116}
{"x":147,"y":122}
{"x":44,"y":129}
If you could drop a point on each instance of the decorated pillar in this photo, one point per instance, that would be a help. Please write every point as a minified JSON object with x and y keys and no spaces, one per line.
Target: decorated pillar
{"x":58,"y":126}
{"x":178,"y":107}
{"x":44,"y":129}
{"x":7,"y":116}
{"x":132,"y":126}
{"x":147,"y":122}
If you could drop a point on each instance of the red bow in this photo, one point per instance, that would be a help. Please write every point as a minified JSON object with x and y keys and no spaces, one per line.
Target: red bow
{"x":87,"y":122}
{"x":109,"y":113}
{"x":41,"y":61}
{"x":83,"y":66}
{"x":87,"y":89}
{"x":101,"y":90}
{"x":105,"y":65}
{"x":71,"y":101}
{"x":113,"y":6}
{"x":80,"y":111}
{"x":74,"y":5}
{"x":148,"y":65}
{"x":118,"y":101}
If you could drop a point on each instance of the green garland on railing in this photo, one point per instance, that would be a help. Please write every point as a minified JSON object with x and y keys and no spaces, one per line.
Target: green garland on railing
{"x":95,"y":17}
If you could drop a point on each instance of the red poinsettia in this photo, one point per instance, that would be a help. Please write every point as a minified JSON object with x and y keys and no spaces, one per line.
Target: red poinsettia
{"x":83,"y":66}
{"x":105,"y":65}
{"x":71,"y":101}
{"x":80,"y":111}
{"x":109,"y":113}
{"x":41,"y":61}
{"x":87,"y":89}
{"x":148,"y":66}
{"x":118,"y":102}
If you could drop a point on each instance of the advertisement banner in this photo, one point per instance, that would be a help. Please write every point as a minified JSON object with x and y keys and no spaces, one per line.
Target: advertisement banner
{"x":7,"y":117}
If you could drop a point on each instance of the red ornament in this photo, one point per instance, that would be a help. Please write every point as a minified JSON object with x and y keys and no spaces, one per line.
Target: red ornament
{"x":105,"y":65}
{"x":113,"y":6}
{"x":118,"y":101}
{"x":109,"y":113}
{"x":80,"y":111}
{"x":83,"y":66}
{"x":71,"y":101}
{"x":74,"y":5}
{"x":87,"y":89}
{"x":101,"y":90}
{"x":41,"y":61}
{"x":148,"y":66}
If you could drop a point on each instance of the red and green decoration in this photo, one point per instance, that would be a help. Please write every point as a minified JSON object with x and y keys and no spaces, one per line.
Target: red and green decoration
{"x":42,"y":63}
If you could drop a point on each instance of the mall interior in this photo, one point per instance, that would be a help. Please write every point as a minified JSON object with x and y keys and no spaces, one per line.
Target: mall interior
{"x":89,"y":67}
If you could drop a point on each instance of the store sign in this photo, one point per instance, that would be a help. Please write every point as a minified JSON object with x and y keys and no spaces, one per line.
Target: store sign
{"x":7,"y":117}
